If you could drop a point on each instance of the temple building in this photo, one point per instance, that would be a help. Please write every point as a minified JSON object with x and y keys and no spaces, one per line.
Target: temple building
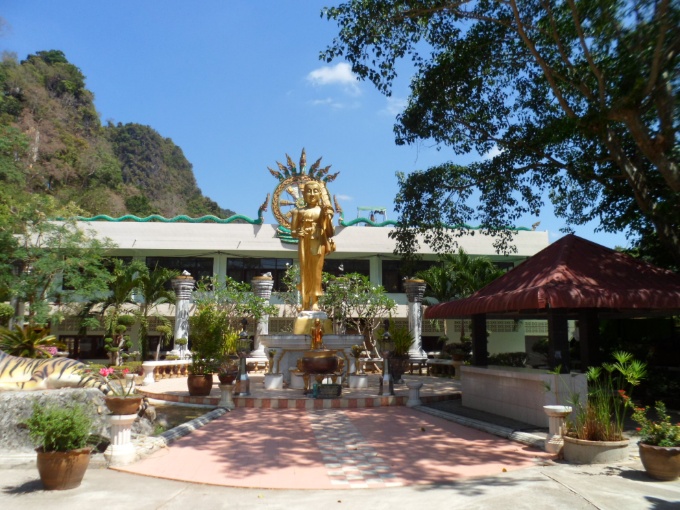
{"x":245,"y":250}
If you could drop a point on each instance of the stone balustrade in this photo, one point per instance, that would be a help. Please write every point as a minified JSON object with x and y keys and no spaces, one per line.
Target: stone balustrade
{"x":156,"y":370}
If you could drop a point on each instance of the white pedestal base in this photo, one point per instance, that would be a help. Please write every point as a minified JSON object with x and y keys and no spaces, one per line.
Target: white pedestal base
{"x":413,"y":393}
{"x":273,"y":381}
{"x":297,"y":381}
{"x":226,"y":396}
{"x":556,"y":418}
{"x":358,"y":381}
{"x":121,"y":451}
{"x":456,"y":367}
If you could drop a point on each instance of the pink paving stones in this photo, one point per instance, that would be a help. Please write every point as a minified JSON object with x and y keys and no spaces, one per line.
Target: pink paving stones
{"x":333,"y":449}
{"x":352,"y":460}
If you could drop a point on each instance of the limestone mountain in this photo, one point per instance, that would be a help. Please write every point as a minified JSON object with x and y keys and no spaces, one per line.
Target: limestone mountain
{"x":52,"y":141}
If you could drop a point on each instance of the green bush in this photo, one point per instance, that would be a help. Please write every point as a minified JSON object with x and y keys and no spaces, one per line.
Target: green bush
{"x":59,"y":428}
{"x":6,"y":313}
{"x":508,"y":359}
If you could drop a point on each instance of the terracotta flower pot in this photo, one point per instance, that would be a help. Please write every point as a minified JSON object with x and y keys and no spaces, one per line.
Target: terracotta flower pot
{"x":227,"y":377}
{"x":123,"y":405}
{"x":661,"y":462}
{"x":62,"y":470}
{"x":200,"y":385}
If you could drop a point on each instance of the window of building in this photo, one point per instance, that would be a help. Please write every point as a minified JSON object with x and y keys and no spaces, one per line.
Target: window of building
{"x":199,"y":267}
{"x":338,"y":267}
{"x":394,"y":272}
{"x":243,"y":270}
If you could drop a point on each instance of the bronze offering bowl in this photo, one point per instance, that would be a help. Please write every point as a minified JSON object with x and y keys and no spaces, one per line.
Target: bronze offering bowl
{"x":321,"y":361}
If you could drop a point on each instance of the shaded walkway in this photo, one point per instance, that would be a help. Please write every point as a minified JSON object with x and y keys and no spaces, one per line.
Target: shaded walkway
{"x":334,"y":448}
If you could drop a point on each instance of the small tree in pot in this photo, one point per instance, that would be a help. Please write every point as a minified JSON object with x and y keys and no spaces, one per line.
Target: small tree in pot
{"x":402,"y":339}
{"x":61,"y":434}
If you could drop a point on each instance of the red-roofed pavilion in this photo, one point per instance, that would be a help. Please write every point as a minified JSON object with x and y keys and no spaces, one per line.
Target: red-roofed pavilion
{"x":571,"y":279}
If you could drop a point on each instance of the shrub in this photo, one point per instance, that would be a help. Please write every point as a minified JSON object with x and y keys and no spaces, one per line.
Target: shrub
{"x":59,"y":428}
{"x":508,"y":359}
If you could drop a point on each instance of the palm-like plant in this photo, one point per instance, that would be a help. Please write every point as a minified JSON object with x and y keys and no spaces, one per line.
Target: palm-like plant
{"x":124,"y":281}
{"x":26,"y":342}
{"x":151,"y":288}
{"x":458,"y":276}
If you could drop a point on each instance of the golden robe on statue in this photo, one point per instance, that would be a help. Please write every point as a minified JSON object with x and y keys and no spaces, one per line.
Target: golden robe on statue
{"x":312,"y":225}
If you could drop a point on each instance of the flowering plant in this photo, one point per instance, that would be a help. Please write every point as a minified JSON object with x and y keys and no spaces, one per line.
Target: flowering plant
{"x":120,"y":383}
{"x":656,"y":433}
{"x":609,"y":389}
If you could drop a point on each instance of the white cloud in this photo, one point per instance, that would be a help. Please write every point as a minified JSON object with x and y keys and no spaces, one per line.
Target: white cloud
{"x":394,"y":106}
{"x":339,"y":74}
{"x":346,"y":198}
{"x":334,"y":103}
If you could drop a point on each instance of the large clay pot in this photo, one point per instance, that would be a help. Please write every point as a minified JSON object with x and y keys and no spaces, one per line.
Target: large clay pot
{"x":322,"y":361}
{"x":398,"y":367}
{"x":581,"y":451}
{"x":62,"y":470}
{"x":123,"y":405}
{"x":200,"y":385}
{"x":661,"y":462}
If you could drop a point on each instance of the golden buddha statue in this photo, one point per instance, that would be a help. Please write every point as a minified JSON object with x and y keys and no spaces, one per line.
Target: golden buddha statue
{"x":312,"y":225}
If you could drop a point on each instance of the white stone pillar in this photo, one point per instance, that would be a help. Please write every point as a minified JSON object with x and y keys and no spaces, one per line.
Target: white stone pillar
{"x":415,"y":289}
{"x":121,"y":451}
{"x":262,"y":288}
{"x":183,"y":285}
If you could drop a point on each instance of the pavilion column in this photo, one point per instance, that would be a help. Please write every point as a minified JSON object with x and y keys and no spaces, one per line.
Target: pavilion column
{"x":262,"y":288}
{"x":558,"y":341}
{"x":480,"y":353}
{"x":588,"y":338}
{"x":183,"y":285}
{"x":415,"y":290}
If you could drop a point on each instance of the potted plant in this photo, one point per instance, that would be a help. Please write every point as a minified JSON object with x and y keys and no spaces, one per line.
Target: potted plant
{"x":206,"y":335}
{"x":402,"y":340}
{"x":595,"y":433}
{"x":357,"y":376}
{"x":119,"y":386}
{"x":659,"y":443}
{"x":356,"y":352}
{"x":227,"y":369}
{"x":60,"y":434}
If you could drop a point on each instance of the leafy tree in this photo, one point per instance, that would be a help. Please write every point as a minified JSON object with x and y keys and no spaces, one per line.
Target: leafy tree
{"x":233,"y":300}
{"x":47,"y":262}
{"x":579,"y":97}
{"x":353,"y":301}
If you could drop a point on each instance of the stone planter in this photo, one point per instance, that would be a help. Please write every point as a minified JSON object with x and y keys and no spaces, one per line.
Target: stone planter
{"x":581,"y":451}
{"x":661,"y":462}
{"x":62,"y":470}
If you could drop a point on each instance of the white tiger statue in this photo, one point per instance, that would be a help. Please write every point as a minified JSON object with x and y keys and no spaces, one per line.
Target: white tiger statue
{"x":28,"y":374}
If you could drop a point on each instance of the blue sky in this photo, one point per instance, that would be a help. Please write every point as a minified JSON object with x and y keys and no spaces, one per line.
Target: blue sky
{"x":238,"y":85}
